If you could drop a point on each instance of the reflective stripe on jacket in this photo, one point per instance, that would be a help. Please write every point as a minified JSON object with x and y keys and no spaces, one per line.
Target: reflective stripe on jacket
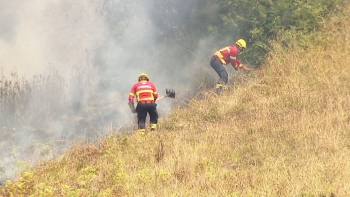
{"x":229,"y":55}
{"x":144,"y":91}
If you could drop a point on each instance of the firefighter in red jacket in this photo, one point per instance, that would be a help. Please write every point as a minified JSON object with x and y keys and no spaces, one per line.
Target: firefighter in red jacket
{"x":226,"y":56}
{"x":146,"y":95}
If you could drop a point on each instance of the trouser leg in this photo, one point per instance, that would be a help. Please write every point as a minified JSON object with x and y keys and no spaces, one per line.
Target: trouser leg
{"x":220,"y":70}
{"x":141,"y":116}
{"x":153,"y":113}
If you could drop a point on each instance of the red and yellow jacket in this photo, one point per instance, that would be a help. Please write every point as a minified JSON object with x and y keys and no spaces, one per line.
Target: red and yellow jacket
{"x":228,"y":55}
{"x":144,"y":91}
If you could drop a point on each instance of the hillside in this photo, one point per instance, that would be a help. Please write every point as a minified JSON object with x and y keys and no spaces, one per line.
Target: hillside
{"x":281,"y":130}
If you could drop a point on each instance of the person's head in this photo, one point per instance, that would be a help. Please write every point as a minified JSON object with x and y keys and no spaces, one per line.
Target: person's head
{"x":241,"y":44}
{"x":143,"y":76}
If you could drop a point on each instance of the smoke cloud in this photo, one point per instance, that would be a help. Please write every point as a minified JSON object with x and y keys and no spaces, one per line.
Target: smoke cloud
{"x":89,"y":54}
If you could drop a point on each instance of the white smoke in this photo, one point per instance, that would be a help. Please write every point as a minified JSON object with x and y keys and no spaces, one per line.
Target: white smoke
{"x":37,"y":37}
{"x":39,"y":34}
{"x":104,"y":44}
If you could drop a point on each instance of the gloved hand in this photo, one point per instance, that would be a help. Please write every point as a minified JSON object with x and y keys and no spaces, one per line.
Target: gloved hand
{"x":132,"y":107}
{"x":242,"y":67}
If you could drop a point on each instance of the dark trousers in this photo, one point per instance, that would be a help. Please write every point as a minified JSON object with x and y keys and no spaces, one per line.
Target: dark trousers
{"x":142,"y":111}
{"x":219,"y":69}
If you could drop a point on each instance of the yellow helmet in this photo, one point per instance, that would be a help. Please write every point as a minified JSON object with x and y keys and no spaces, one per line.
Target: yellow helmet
{"x":241,"y":43}
{"x":143,"y":76}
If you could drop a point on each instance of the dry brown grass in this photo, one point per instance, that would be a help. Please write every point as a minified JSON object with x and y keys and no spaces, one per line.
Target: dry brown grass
{"x":285,"y":133}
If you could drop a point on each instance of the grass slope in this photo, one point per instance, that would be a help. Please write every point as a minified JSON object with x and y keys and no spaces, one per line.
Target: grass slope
{"x":283,"y":130}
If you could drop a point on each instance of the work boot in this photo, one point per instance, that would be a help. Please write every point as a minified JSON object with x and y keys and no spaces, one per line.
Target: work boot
{"x":218,"y":88}
{"x":141,"y":131}
{"x":153,"y":126}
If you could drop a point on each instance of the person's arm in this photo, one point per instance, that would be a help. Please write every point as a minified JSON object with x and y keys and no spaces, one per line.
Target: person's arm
{"x":240,"y":66}
{"x":155,"y":93}
{"x":236,"y":64}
